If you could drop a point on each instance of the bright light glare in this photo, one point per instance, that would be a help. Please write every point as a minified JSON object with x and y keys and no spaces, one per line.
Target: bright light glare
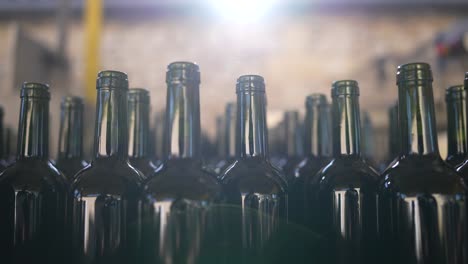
{"x":243,"y":11}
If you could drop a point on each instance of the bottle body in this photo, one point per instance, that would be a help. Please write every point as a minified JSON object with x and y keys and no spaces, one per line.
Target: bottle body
{"x":107,"y":200}
{"x":33,"y":193}
{"x":422,"y":216}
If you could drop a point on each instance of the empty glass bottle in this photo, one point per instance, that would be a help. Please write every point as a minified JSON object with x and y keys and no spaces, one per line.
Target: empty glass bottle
{"x":33,"y":193}
{"x":138,"y":129}
{"x":317,"y":149}
{"x":70,"y":148}
{"x":346,"y":203}
{"x":229,"y":138}
{"x":422,"y":208}
{"x":293,"y":143}
{"x":457,"y":124}
{"x":107,"y":197}
{"x":257,"y":190}
{"x":181,"y":194}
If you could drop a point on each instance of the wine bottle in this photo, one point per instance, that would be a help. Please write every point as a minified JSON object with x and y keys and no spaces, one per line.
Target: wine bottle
{"x":107,"y":194}
{"x":317,"y":148}
{"x":33,"y":192}
{"x":346,"y":203}
{"x":181,"y":193}
{"x":138,"y":129}
{"x":257,"y":190}
{"x":455,"y":98}
{"x":422,"y":208}
{"x":293,"y":143}
{"x":229,"y":138}
{"x":70,"y":148}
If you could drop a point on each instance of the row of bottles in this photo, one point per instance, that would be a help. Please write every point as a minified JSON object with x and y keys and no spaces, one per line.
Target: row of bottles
{"x":124,"y":208}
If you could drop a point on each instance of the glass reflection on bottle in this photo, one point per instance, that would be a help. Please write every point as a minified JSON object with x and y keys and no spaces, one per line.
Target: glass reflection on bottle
{"x":422,"y":208}
{"x":33,"y":193}
{"x":70,"y":151}
{"x":256,"y":189}
{"x":107,"y":199}
{"x":181,"y":194}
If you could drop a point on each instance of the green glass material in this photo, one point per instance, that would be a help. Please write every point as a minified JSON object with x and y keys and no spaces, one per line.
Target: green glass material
{"x":107,"y":194}
{"x":422,"y":208}
{"x":293,"y":143}
{"x":457,"y":124}
{"x":70,"y":150}
{"x":343,"y":195}
{"x":33,"y":193}
{"x":256,"y":190}
{"x":138,"y":130}
{"x":181,"y":195}
{"x":317,"y":148}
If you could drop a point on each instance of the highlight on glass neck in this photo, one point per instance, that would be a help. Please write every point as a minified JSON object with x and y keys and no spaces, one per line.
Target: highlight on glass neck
{"x":33,"y":128}
{"x":182,"y":130}
{"x":292,"y":138}
{"x":418,"y":133}
{"x":111,"y":134}
{"x":138,"y":122}
{"x":317,"y":137}
{"x":230,"y":130}
{"x":251,"y":136}
{"x":455,"y":98}
{"x":71,"y":128}
{"x":346,"y":119}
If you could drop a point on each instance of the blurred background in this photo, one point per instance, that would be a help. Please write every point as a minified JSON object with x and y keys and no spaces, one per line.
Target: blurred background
{"x":299,"y":46}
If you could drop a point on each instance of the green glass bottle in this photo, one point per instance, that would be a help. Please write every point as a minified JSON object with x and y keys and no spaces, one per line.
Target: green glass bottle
{"x":256,"y":190}
{"x":293,"y":143}
{"x":182,"y":196}
{"x":138,"y":130}
{"x":343,"y":195}
{"x":422,"y":208}
{"x":70,"y":148}
{"x":317,"y":148}
{"x":33,"y":193}
{"x":457,"y":127}
{"x":107,"y":200}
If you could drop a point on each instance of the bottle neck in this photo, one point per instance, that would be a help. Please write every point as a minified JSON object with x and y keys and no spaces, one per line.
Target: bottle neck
{"x":457,"y":125}
{"x":71,"y":133}
{"x":111,"y":134}
{"x":251,"y":124}
{"x":292,"y":134}
{"x":182,"y":131}
{"x":33,"y":129}
{"x":230,"y":134}
{"x":317,"y":132}
{"x":417,"y":118}
{"x":346,"y":126}
{"x":138,"y":129}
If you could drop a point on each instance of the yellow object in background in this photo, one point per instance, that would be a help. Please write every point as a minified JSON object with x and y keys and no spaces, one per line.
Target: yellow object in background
{"x":93,"y":24}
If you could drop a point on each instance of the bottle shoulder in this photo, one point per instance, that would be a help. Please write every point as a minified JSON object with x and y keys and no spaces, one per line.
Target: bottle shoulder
{"x":254,"y":175}
{"x":144,"y":165}
{"x":422,"y":174}
{"x":182,"y":178}
{"x":348,"y":172}
{"x":33,"y":174}
{"x":309,"y":167}
{"x":107,"y":176}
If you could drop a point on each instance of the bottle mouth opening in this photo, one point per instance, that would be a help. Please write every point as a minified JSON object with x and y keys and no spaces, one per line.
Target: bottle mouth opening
{"x":112,"y":80}
{"x":416,"y":71}
{"x":35,"y":90}
{"x":345,"y":87}
{"x":138,"y":95}
{"x":183,"y":71}
{"x":250,"y":83}
{"x":454,"y":92}
{"x":72,"y":101}
{"x":316,"y":99}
